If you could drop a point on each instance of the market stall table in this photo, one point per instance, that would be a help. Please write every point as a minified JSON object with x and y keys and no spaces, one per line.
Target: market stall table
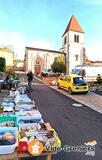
{"x":22,"y":127}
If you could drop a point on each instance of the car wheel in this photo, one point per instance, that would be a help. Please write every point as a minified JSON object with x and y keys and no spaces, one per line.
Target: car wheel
{"x":70,"y":91}
{"x":86,"y":92}
{"x":58,"y":86}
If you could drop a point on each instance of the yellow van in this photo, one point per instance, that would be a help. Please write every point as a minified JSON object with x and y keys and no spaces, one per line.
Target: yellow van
{"x":73,"y":83}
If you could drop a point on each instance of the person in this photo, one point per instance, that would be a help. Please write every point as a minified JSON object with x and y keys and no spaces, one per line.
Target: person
{"x":30,"y":78}
{"x":6,"y":81}
{"x":7,"y":78}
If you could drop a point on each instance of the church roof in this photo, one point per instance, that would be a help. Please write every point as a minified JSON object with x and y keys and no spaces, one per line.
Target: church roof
{"x":73,"y":25}
{"x":44,"y":50}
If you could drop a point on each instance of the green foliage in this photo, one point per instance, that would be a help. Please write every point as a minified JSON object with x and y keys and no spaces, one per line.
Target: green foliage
{"x":59,"y":67}
{"x":2,"y":64}
{"x":59,"y":59}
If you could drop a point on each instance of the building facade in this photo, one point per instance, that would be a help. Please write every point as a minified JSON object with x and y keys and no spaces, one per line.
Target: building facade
{"x":73,"y":50}
{"x":8,"y":55}
{"x":73,"y":44}
{"x":37,"y":59}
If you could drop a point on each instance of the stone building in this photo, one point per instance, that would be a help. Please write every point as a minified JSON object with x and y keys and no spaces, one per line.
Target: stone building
{"x":37,"y":59}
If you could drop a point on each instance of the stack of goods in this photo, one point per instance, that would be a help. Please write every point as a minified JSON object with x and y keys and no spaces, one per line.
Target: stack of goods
{"x":24,"y":117}
{"x":22,"y":89}
{"x":8,"y":106}
{"x":26,"y":111}
{"x":8,"y":134}
{"x":41,"y":132}
{"x":23,"y":102}
{"x":13,"y":93}
{"x":21,"y":120}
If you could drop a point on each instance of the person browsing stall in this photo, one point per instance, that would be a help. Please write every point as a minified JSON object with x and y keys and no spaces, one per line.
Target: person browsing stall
{"x":30,"y":78}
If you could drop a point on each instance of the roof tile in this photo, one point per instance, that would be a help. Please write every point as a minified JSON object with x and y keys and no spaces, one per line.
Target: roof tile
{"x":73,"y":26}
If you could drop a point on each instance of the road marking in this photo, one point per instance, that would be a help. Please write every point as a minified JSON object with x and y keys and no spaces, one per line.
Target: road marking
{"x":77,"y":105}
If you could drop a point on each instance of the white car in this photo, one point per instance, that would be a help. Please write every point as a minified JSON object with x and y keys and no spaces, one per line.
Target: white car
{"x":48,"y":73}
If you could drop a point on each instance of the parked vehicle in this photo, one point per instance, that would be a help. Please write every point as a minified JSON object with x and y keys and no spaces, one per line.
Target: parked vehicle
{"x":73,"y":83}
{"x":47,"y":73}
{"x":89,"y":73}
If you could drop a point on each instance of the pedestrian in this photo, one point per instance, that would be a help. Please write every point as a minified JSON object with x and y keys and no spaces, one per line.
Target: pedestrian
{"x":30,"y":78}
{"x":6,"y":82}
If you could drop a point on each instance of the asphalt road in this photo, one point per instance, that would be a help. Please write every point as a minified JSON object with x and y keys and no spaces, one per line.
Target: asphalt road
{"x":75,"y":125}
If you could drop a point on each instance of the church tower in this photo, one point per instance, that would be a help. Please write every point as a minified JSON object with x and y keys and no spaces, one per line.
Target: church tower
{"x":73,"y":44}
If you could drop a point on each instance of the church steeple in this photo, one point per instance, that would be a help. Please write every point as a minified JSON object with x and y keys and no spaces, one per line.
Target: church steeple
{"x":73,"y":44}
{"x":73,"y":25}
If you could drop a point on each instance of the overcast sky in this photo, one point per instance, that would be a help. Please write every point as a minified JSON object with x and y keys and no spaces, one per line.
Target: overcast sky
{"x":41,"y":23}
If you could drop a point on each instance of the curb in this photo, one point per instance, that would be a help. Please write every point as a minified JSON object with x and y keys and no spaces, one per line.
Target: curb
{"x":41,"y":81}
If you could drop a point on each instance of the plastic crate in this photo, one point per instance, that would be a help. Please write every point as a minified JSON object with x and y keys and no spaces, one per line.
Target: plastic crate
{"x":7,"y":149}
{"x":8,"y":118}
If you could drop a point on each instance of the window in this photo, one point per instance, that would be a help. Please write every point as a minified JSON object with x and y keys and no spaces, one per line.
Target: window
{"x":76,"y":57}
{"x":76,"y":38}
{"x":79,"y":80}
{"x":65,"y":40}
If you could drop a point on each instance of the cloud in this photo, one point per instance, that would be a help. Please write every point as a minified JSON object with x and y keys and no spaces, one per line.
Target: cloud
{"x":94,"y":51}
{"x":41,"y":43}
{"x":15,"y":41}
{"x":91,"y":2}
{"x":18,"y":43}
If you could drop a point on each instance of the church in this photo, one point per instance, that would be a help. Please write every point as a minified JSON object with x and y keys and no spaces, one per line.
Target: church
{"x":73,"y":44}
{"x":37,"y":59}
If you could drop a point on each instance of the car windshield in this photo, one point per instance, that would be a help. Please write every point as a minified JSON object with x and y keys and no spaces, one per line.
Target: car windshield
{"x":78,"y":80}
{"x":76,"y":71}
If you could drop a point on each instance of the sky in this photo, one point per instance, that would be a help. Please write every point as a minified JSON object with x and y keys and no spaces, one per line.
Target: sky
{"x":41,"y":24}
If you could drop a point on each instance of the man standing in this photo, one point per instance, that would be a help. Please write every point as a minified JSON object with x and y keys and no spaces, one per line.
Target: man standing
{"x":30,"y":78}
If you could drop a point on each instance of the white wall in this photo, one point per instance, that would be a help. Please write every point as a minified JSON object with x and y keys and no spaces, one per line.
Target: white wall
{"x":46,"y":55}
{"x":30,"y":53}
{"x":75,"y":48}
{"x":71,"y":36}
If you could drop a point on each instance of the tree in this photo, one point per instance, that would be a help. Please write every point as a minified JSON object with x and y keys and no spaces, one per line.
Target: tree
{"x":2,"y":64}
{"x":10,"y":71}
{"x":59,"y":58}
{"x":59,"y":67}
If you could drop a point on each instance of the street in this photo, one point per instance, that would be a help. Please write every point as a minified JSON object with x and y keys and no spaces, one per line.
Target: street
{"x":75,"y":125}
